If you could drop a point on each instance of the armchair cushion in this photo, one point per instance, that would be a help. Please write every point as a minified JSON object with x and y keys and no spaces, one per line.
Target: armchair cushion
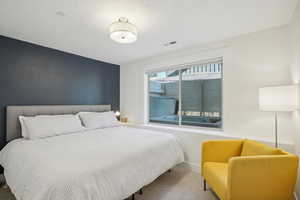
{"x":253,"y":148}
{"x":215,"y":173}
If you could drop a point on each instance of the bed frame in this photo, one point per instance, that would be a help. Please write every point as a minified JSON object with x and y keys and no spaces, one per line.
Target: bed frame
{"x":13,"y":127}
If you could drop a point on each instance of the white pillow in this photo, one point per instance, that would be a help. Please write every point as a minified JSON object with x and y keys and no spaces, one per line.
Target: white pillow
{"x":42,"y":126}
{"x":23,"y":127}
{"x":95,"y":120}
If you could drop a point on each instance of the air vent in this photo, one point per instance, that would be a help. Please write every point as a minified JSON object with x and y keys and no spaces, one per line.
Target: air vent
{"x":60,"y":13}
{"x":170,"y":43}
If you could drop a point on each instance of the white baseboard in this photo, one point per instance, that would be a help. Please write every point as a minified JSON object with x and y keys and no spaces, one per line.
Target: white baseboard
{"x":193,"y":166}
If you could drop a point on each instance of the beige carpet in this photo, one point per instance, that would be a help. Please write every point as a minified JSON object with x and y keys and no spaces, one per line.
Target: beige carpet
{"x":180,"y":184}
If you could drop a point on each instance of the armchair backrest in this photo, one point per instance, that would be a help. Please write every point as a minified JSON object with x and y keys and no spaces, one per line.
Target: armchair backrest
{"x":253,"y":148}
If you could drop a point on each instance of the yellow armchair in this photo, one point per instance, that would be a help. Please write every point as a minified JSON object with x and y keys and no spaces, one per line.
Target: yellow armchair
{"x":248,"y":170}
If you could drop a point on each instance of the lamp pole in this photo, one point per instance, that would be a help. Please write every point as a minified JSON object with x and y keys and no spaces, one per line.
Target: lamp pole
{"x":276,"y":130}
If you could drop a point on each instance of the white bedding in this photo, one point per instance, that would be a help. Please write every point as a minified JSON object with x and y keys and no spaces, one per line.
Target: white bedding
{"x":101,"y":164}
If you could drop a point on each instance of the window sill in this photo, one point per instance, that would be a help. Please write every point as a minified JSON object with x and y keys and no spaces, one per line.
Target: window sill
{"x":188,"y":129}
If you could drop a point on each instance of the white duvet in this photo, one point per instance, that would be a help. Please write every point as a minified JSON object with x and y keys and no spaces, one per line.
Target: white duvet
{"x":101,"y":164}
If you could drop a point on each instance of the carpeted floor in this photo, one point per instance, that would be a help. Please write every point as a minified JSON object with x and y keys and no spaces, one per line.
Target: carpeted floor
{"x":180,"y":184}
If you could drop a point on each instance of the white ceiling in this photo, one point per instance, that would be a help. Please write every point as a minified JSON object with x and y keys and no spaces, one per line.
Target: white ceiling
{"x":84,"y":28}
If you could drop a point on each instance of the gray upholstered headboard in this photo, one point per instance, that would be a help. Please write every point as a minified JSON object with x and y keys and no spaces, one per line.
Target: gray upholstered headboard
{"x":13,"y":127}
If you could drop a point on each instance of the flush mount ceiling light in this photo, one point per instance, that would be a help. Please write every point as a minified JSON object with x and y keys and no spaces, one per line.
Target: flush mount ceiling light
{"x":123,"y":32}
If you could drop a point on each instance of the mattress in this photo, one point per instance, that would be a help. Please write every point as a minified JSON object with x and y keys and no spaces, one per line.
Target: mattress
{"x":101,"y":164}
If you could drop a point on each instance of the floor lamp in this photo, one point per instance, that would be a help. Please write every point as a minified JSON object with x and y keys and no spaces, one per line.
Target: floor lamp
{"x":278,"y":99}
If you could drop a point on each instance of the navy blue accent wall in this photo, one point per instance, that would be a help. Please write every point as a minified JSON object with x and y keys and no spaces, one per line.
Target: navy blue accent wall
{"x":35,"y":75}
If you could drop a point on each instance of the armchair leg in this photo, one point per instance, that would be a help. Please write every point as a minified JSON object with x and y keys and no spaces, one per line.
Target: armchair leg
{"x":204,"y":185}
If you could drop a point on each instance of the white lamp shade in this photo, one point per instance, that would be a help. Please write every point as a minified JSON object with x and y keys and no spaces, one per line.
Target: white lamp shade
{"x":278,"y":99}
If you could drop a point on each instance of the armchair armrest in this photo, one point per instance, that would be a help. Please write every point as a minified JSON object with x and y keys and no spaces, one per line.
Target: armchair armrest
{"x":262,"y":177}
{"x":220,"y":150}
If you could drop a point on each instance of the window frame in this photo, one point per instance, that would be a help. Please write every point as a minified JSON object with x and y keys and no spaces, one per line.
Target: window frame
{"x":180,"y":67}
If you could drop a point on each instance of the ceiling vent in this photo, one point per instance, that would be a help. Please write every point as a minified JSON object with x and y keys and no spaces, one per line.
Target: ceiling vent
{"x":170,"y":43}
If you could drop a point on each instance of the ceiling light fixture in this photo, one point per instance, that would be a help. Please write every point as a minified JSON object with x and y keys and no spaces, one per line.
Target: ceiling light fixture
{"x":123,"y":32}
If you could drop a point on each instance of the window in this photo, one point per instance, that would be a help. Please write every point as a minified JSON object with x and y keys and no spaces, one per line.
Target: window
{"x":189,"y":95}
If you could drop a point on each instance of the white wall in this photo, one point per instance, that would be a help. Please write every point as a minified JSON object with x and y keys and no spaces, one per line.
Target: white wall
{"x":250,"y":61}
{"x":295,"y":71}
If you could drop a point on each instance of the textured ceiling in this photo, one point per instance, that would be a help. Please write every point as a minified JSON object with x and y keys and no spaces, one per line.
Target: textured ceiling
{"x":81,"y":26}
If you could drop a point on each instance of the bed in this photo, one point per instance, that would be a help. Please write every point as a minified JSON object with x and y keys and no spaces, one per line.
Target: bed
{"x":100,"y":164}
